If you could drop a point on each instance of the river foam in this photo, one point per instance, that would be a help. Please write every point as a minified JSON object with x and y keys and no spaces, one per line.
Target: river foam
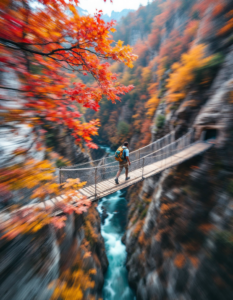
{"x":116,"y":283}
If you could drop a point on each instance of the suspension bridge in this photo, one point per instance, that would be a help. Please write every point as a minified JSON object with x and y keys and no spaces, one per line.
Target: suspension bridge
{"x":156,"y":157}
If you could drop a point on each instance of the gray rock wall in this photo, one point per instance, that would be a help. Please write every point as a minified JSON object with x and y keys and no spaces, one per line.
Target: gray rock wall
{"x":28,"y":264}
{"x":180,"y":222}
{"x":180,"y":232}
{"x":31,"y":264}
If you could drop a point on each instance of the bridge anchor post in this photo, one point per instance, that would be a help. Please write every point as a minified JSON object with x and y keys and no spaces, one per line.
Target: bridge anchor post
{"x":95,"y":183}
{"x":143,"y":163}
{"x":59,"y":176}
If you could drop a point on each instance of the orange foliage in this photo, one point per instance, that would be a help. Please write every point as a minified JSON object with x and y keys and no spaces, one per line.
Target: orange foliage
{"x":179,"y":260}
{"x":206,"y":227}
{"x":141,"y":239}
{"x":231,"y":97}
{"x":138,"y":228}
{"x":218,"y":9}
{"x":183,"y":72}
{"x":168,"y":8}
{"x":40,"y":36}
{"x":195,"y":167}
{"x":31,"y":219}
{"x":191,"y":247}
{"x":146,"y":131}
{"x":158,"y":237}
{"x":74,"y":282}
{"x":191,"y":103}
{"x":202,"y":5}
{"x":229,"y":26}
{"x":154,"y":37}
{"x":195,"y":261}
{"x":140,"y":49}
{"x":167,"y":253}
{"x":191,"y":30}
{"x":165,"y":207}
{"x":46,"y":48}
{"x":152,"y":105}
{"x":160,"y":232}
{"x":178,"y":43}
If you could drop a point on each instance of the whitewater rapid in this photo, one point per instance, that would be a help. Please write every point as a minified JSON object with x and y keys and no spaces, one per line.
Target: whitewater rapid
{"x":116,"y":285}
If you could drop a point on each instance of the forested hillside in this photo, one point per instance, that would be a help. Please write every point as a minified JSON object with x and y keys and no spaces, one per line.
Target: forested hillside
{"x":180,"y":222}
{"x":177,"y":46}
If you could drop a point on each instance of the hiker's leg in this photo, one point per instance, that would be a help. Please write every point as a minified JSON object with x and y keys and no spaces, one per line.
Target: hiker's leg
{"x":118,"y":173}
{"x":120,"y":169}
{"x":126,"y":171}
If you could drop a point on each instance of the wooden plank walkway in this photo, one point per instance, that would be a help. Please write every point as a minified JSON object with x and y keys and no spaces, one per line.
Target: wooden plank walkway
{"x":108,"y":187}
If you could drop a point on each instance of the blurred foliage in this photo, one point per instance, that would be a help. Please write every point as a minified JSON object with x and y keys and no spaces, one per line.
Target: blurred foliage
{"x":160,"y":121}
{"x":61,"y":163}
{"x":183,"y":73}
{"x":45,"y":94}
{"x":208,"y":71}
{"x":90,"y":234}
{"x":73,"y":283}
{"x":229,"y":24}
{"x":224,"y":239}
{"x":123,"y":128}
{"x":143,"y":214}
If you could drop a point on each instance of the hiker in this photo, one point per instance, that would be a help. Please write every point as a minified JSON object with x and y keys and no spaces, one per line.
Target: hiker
{"x":122,"y":155}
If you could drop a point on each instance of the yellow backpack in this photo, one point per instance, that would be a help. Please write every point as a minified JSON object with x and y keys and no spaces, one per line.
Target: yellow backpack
{"x":119,"y":154}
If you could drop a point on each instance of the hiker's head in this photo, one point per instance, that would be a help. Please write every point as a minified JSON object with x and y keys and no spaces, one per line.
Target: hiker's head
{"x":126,"y":144}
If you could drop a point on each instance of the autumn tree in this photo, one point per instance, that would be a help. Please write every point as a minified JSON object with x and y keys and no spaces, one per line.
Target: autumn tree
{"x":44,"y":46}
{"x":183,"y":73}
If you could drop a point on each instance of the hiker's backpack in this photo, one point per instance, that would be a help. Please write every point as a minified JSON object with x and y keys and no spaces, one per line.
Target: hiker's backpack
{"x":119,"y":154}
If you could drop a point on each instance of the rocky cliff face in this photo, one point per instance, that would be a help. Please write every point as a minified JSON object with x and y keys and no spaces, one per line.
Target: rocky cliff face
{"x":180,"y":230}
{"x":62,"y":142}
{"x":34,"y":266}
{"x":179,"y":237}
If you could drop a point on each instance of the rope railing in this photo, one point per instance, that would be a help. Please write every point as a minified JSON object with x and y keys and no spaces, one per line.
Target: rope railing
{"x":136,"y":153}
{"x":101,"y":174}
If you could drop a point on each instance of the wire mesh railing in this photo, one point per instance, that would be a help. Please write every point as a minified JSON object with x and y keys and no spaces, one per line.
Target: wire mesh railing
{"x":99,"y":174}
{"x":133,"y":155}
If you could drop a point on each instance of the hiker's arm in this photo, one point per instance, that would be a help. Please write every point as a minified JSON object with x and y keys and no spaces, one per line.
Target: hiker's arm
{"x":128,"y":160}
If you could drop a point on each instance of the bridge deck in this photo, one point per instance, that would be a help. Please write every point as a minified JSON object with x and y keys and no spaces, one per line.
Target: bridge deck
{"x":108,"y":187}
